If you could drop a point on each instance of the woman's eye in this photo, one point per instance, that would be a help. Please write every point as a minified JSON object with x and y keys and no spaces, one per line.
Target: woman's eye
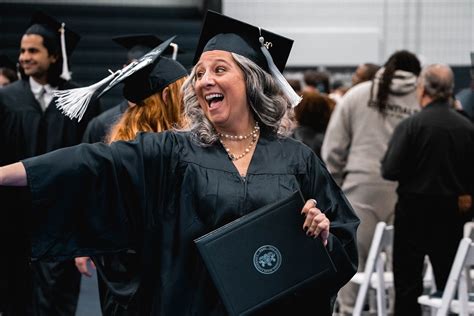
{"x":199,"y":74}
{"x":220,"y":69}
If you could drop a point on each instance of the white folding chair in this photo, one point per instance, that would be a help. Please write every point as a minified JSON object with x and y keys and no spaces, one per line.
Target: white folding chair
{"x":458,"y":280}
{"x":374,"y":275}
{"x":468,"y":229}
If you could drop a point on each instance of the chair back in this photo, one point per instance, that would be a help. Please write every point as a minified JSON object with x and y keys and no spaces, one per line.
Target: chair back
{"x":459,"y":278}
{"x":383,"y":238}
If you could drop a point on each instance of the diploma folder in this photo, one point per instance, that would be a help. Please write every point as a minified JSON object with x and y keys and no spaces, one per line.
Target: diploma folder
{"x":262,"y":256}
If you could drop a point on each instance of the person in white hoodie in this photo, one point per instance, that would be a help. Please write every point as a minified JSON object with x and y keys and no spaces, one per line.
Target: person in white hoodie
{"x":355,"y":142}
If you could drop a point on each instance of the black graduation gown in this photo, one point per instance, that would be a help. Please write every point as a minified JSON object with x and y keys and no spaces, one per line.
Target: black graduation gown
{"x":117,"y":274}
{"x":309,"y":136}
{"x":26,"y":131}
{"x":99,"y":126}
{"x":158,"y":193}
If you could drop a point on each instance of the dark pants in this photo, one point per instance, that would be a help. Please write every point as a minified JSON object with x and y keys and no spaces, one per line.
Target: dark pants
{"x":56,"y":288}
{"x":423,"y":226}
{"x":15,"y":282}
{"x":15,"y":279}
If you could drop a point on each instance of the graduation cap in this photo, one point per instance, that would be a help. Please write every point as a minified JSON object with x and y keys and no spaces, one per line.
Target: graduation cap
{"x":268,"y":50}
{"x":152,"y":79}
{"x":136,"y":44}
{"x":73,"y":102}
{"x":46,"y":26}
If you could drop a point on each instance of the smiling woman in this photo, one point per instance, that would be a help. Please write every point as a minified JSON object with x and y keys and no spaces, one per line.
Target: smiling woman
{"x":220,"y":90}
{"x":157,"y":194}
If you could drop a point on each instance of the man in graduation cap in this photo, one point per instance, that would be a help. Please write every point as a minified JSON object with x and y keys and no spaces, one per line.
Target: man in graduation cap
{"x":136,"y":45}
{"x":30,"y":124}
{"x":160,"y":192}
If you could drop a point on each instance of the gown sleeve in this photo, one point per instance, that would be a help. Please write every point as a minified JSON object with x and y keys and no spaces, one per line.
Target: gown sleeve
{"x":320,"y":294}
{"x":92,"y":199}
{"x":342,"y":245}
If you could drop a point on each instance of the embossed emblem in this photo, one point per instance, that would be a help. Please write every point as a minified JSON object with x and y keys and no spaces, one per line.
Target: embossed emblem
{"x":267,"y":259}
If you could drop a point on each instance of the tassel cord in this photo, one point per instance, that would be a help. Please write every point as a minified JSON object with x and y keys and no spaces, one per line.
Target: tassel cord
{"x":66,"y":75}
{"x":280,"y":80}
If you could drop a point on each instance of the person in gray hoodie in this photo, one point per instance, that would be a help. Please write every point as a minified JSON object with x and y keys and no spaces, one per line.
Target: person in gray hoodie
{"x":356,"y":140}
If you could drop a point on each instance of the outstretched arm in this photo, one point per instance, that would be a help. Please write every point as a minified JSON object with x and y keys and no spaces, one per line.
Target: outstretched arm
{"x":13,"y":175}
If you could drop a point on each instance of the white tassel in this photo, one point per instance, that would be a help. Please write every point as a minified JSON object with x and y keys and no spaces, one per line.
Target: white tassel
{"x":66,"y":75}
{"x":175,"y":50}
{"x":280,"y":80}
{"x":73,"y":102}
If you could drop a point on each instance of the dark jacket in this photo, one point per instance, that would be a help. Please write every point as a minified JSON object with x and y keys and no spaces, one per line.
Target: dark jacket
{"x":432,"y":153}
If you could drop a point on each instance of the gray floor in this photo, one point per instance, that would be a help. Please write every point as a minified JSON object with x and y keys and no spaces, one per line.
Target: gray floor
{"x":88,"y":304}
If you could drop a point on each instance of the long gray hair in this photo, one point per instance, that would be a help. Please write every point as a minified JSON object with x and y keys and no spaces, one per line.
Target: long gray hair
{"x":263,"y":95}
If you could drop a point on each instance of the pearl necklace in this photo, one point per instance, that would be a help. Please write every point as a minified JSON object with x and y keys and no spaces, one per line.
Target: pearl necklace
{"x":240,"y":137}
{"x":253,"y":134}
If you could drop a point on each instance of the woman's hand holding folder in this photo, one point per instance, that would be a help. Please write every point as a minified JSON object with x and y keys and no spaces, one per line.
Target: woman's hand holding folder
{"x":316,"y":223}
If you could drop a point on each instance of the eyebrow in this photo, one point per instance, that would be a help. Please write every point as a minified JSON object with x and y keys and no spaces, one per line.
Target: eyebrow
{"x":29,"y":48}
{"x":217,"y":60}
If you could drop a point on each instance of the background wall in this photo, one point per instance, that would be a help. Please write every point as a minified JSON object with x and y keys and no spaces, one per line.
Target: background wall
{"x":331,"y":35}
{"x":97,"y":25}
{"x":349,"y":32}
{"x":346,"y":32}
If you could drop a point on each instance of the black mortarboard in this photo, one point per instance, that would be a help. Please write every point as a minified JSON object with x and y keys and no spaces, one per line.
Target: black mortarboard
{"x":136,"y":44}
{"x":74,"y":102}
{"x":268,"y":50}
{"x":46,"y":26}
{"x":152,"y":79}
{"x":6,"y":62}
{"x":220,"y":32}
